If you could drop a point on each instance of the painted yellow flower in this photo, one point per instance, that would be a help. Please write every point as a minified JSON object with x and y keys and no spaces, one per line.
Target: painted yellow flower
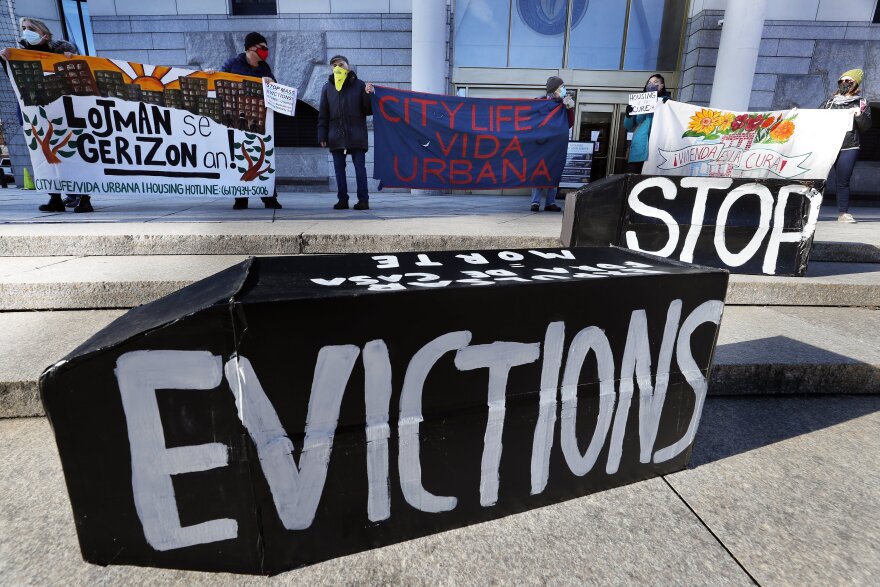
{"x":705,"y":121}
{"x":725,"y":120}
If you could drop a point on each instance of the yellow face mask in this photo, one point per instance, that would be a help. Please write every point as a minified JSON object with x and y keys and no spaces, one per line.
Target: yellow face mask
{"x":339,"y":75}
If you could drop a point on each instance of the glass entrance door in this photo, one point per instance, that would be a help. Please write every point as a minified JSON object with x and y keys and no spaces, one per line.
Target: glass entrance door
{"x":602,"y":124}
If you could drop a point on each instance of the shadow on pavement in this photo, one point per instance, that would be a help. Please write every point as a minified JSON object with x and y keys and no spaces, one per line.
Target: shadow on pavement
{"x":735,"y":425}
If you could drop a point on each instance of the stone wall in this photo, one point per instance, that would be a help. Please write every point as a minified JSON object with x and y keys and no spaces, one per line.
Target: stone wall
{"x":9,"y":114}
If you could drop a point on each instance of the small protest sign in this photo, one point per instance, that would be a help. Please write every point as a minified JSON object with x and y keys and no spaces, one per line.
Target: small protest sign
{"x":280,"y":98}
{"x":643,"y":102}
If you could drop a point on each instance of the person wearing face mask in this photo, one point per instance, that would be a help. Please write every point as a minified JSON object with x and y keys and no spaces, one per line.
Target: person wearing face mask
{"x":253,"y":63}
{"x":640,"y":125}
{"x":342,"y":127}
{"x":36,"y":36}
{"x":848,"y":97}
{"x":555,"y":90}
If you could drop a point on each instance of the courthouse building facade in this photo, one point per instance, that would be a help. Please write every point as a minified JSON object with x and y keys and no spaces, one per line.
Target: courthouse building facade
{"x":603,"y":49}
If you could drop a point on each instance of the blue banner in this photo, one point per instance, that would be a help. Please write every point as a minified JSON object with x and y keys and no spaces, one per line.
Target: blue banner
{"x":430,"y":141}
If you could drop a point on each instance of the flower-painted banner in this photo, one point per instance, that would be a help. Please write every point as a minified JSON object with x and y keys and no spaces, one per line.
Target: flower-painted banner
{"x":106,"y":126}
{"x":791,"y":144}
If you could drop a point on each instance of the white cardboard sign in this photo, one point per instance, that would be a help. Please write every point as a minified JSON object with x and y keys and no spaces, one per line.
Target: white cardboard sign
{"x":643,"y":103}
{"x":280,"y":98}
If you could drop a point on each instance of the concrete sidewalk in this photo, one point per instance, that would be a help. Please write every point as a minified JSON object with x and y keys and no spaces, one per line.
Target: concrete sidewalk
{"x":781,"y":491}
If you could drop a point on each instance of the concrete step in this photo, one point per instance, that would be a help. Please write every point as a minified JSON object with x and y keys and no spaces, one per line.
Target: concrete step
{"x":765,"y":350}
{"x":64,"y":283}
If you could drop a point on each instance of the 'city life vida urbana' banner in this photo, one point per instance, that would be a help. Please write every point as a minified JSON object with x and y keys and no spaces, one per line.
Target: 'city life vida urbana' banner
{"x":106,"y":126}
{"x":433,"y":141}
{"x":789,"y":144}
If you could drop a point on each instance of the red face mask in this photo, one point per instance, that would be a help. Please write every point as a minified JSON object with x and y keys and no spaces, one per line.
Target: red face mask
{"x":262,"y":54}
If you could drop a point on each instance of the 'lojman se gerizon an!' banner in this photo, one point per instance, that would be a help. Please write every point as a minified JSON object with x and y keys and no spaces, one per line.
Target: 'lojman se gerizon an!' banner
{"x":107,"y":126}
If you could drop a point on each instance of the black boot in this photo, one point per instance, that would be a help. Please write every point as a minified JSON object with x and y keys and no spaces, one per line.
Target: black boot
{"x":85,"y":204}
{"x":362,"y":205}
{"x":53,"y":205}
{"x":272,"y":203}
{"x":341,"y":205}
{"x":240,"y":204}
{"x":71,"y":201}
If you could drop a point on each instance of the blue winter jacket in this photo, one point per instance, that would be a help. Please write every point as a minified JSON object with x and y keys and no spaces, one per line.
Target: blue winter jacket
{"x":640,"y":126}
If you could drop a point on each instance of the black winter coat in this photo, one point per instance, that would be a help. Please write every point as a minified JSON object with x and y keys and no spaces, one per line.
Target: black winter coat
{"x":861,"y":122}
{"x":342,"y":117}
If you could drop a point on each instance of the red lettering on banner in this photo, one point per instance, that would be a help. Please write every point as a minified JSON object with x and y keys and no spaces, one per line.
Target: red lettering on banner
{"x":435,"y":171}
{"x":425,"y":103}
{"x":452,"y":113}
{"x":487,"y":172}
{"x":464,"y":146}
{"x":491,"y":119}
{"x":499,"y":117}
{"x":466,"y":171}
{"x":481,"y":138}
{"x":474,"y":119}
{"x":446,"y":148}
{"x":517,"y":120}
{"x":513,"y":146}
{"x":541,"y":171}
{"x":385,"y":115}
{"x":519,"y":175}
{"x":415,"y":170}
{"x":406,"y":110}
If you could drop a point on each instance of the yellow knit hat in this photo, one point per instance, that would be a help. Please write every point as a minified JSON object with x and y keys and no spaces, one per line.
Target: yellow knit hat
{"x":855,"y":74}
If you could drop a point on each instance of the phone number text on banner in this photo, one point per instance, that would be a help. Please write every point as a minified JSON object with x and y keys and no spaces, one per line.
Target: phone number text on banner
{"x":107,"y":126}
{"x":432,"y":141}
{"x":787,"y":144}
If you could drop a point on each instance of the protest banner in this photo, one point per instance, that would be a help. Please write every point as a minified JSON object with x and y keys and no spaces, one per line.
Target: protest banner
{"x":432,"y":141}
{"x":280,"y":98}
{"x":763,"y":226}
{"x":578,"y":165}
{"x":643,"y":103}
{"x":107,"y":126}
{"x":290,"y":410}
{"x":786,"y":144}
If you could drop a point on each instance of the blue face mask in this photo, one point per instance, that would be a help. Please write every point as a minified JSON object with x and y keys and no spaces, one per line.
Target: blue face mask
{"x":562,"y":91}
{"x":30,"y":37}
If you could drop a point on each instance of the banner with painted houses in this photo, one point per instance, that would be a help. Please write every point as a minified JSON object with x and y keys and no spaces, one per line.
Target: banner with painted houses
{"x":107,"y":126}
{"x":789,"y":144}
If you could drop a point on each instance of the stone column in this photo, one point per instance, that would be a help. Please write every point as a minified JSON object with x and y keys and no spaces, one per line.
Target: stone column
{"x":738,"y":54}
{"x":429,"y":46}
{"x":12,"y":134}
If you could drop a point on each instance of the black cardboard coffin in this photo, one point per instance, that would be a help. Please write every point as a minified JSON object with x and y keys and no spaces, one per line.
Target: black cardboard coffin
{"x":766,"y":226}
{"x":289,"y":410}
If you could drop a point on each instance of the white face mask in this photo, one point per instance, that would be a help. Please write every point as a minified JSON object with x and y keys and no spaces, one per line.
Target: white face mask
{"x":30,"y":37}
{"x":562,"y":91}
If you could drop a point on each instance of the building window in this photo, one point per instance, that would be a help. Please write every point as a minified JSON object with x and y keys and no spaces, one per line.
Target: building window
{"x":250,"y":7}
{"x":78,"y":25}
{"x":638,"y":35}
{"x":297,"y":131}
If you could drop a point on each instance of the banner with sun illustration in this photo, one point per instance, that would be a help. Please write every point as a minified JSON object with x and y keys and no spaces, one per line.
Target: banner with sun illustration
{"x":106,"y":126}
{"x":790,"y":144}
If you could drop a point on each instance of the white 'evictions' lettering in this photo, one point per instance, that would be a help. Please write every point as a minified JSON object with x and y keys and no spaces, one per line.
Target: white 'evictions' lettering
{"x":590,"y":338}
{"x":139,"y":374}
{"x":408,"y":462}
{"x":703,"y":185}
{"x":554,"y":340}
{"x":766,"y":199}
{"x":706,"y":312}
{"x":377,"y":397}
{"x":296,"y":489}
{"x":777,"y":236}
{"x":639,"y":207}
{"x":499,"y":357}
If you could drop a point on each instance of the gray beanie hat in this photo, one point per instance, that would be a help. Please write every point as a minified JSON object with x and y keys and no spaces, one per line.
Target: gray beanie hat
{"x":553,"y":83}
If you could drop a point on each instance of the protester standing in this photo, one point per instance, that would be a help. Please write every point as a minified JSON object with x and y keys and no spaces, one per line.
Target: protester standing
{"x":848,"y":97}
{"x":555,"y":90}
{"x":252,"y":63}
{"x":342,"y":127}
{"x":640,"y":125}
{"x":36,"y":36}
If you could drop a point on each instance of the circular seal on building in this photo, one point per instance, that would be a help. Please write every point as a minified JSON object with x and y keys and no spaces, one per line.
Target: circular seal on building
{"x":547,"y":17}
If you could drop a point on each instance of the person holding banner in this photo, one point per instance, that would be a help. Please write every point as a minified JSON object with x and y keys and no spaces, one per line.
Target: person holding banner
{"x":36,"y":36}
{"x":342,"y":127}
{"x":640,"y":125}
{"x":252,"y":63}
{"x":849,"y":98}
{"x":555,"y":90}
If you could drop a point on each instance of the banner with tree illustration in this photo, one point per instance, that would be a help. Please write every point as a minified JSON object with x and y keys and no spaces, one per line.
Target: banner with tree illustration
{"x":791,"y":144}
{"x":107,"y":126}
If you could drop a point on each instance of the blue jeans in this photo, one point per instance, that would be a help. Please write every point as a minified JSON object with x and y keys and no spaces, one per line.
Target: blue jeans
{"x":359,"y":158}
{"x":551,"y":195}
{"x":846,"y":161}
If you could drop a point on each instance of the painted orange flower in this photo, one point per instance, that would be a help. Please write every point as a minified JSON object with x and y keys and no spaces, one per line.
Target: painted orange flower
{"x":768,"y":121}
{"x":705,"y":121}
{"x":783,"y":131}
